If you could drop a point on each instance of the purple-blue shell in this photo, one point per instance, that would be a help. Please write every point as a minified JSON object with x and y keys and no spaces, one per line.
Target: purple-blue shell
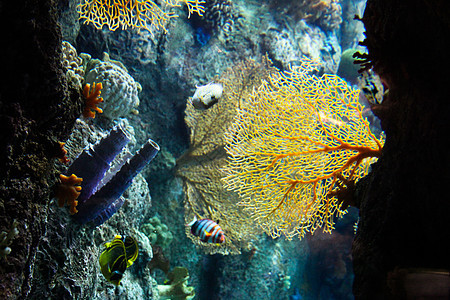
{"x":94,"y":161}
{"x":105,"y":197}
{"x":100,"y":196}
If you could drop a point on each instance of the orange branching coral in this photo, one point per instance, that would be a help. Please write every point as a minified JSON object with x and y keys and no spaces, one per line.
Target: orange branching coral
{"x":68,"y":191}
{"x":92,"y":99}
{"x":62,"y":153}
{"x":142,"y":14}
{"x":301,"y":140}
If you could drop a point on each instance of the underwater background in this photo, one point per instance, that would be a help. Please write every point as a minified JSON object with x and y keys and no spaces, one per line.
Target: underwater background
{"x":181,"y":149}
{"x":153,"y":76}
{"x":148,"y":81}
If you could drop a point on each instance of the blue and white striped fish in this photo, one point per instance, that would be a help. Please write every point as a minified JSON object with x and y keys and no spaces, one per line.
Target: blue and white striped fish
{"x":207,"y":230}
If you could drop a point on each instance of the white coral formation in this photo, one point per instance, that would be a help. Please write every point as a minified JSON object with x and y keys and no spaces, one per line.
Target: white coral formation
{"x":120,"y":90}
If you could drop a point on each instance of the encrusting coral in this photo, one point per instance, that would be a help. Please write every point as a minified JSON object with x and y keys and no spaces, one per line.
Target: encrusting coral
{"x":73,"y":63}
{"x":68,"y":191}
{"x":92,"y":99}
{"x":220,"y":16}
{"x":200,"y":167}
{"x":159,"y":261}
{"x":157,"y":232}
{"x":326,"y":13}
{"x":300,"y":144}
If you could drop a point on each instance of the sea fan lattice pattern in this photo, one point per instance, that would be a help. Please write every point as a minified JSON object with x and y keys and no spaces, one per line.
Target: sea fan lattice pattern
{"x":142,"y":14}
{"x":300,"y":139}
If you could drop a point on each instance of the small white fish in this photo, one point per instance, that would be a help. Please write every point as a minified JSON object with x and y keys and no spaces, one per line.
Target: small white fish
{"x":206,"y":96}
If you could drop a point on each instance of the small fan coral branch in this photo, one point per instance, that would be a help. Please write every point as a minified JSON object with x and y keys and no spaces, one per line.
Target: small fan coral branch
{"x":68,"y":191}
{"x":293,"y":150}
{"x":142,"y":14}
{"x":62,"y":153}
{"x":93,"y":98}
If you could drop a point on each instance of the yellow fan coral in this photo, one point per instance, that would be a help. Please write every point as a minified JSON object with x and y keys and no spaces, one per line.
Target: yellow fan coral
{"x":300,"y":139}
{"x":133,"y":13}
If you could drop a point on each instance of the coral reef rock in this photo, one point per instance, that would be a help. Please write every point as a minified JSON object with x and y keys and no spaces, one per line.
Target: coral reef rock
{"x":73,"y":63}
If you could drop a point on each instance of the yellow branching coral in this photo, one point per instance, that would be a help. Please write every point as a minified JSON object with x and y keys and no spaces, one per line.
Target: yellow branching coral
{"x":301,"y":139}
{"x":142,"y":14}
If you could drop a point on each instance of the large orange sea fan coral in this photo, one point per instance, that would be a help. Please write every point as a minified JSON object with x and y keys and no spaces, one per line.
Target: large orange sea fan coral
{"x":299,"y":140}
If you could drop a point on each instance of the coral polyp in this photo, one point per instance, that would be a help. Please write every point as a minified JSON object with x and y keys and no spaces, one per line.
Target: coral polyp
{"x":68,"y":191}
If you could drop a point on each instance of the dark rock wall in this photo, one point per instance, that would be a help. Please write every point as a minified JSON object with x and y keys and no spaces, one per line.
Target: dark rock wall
{"x":405,"y":206}
{"x":37,"y":108}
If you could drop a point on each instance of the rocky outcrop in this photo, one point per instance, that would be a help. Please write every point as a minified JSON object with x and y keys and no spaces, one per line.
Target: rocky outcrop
{"x":38,"y":107}
{"x":404,"y":205}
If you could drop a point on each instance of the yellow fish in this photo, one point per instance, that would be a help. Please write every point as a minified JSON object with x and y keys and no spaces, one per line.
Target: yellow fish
{"x":117,"y":257}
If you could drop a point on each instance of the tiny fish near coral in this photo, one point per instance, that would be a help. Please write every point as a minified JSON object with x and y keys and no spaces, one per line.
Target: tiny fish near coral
{"x":206,"y":96}
{"x":207,"y":230}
